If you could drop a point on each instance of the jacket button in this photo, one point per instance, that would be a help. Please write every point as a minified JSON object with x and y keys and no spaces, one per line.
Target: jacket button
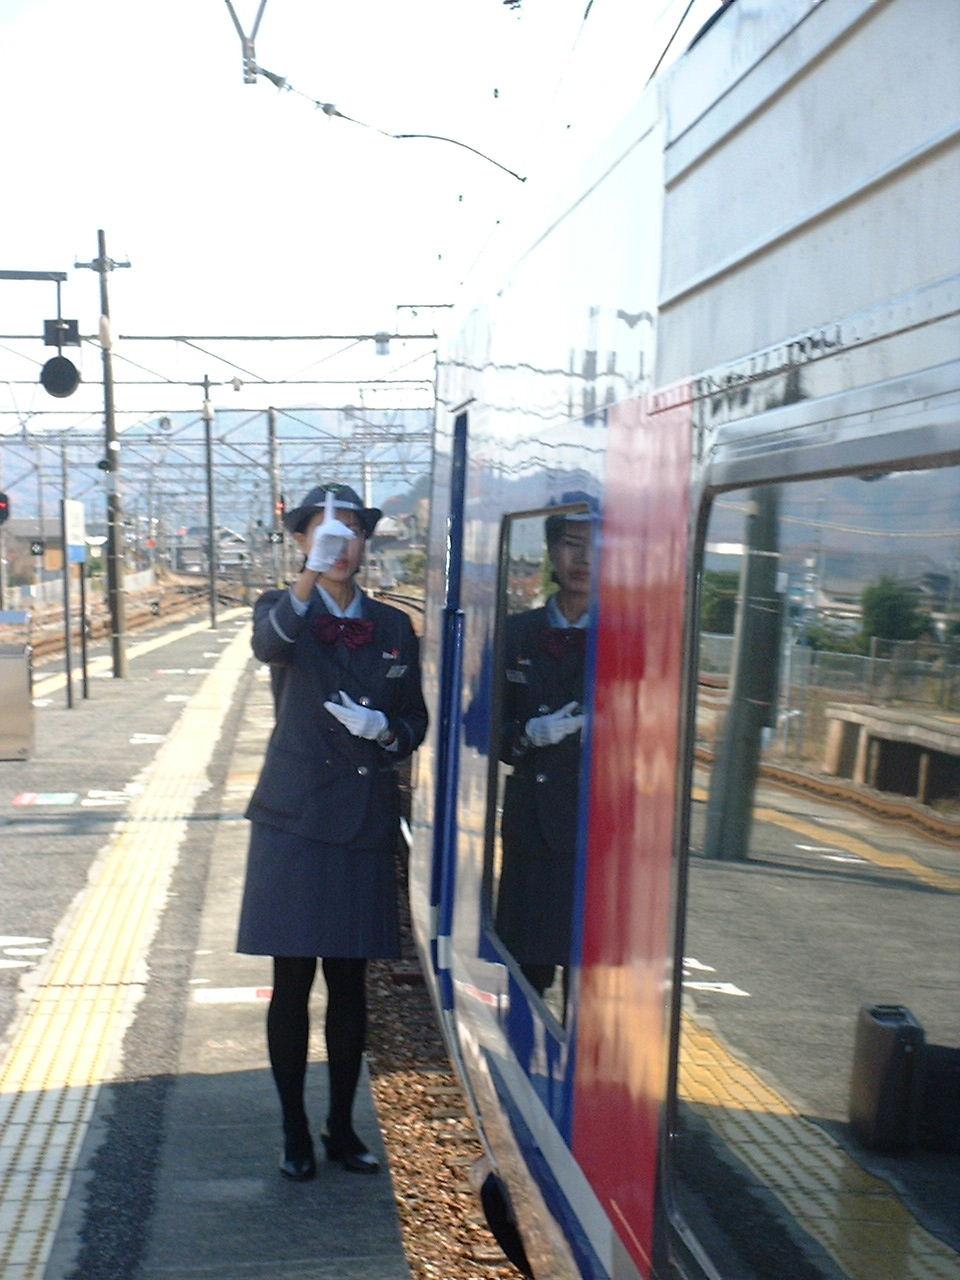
{"x":362,"y":770}
{"x":364,"y":701}
{"x":541,"y":777}
{"x":542,"y":709}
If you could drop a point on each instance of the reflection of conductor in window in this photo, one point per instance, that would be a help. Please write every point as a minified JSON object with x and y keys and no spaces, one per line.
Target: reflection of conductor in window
{"x":544,"y":654}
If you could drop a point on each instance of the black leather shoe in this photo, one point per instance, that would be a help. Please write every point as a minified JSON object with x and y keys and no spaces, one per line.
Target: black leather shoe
{"x":351,"y":1153}
{"x":299,"y":1162}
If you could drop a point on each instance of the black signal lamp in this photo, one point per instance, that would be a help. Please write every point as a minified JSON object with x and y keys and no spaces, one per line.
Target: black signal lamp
{"x":60,"y":377}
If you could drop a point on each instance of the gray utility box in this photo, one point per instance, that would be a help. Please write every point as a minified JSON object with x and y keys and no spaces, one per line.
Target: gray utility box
{"x":16,"y":686}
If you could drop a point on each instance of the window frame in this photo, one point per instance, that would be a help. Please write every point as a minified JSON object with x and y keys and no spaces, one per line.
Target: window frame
{"x":491,"y":940}
{"x":738,"y":465}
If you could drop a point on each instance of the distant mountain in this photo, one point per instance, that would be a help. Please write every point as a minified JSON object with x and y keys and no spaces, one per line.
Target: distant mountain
{"x":404,"y":504}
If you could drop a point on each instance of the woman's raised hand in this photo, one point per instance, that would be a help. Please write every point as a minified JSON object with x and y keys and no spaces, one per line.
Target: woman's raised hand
{"x":329,"y":539}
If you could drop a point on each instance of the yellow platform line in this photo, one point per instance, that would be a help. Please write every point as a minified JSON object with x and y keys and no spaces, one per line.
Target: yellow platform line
{"x":69,"y":1037}
{"x":947,"y":881}
{"x":855,"y":1216}
{"x":104,"y":661}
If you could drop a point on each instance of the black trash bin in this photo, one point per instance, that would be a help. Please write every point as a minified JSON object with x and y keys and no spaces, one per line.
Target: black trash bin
{"x":886,"y":1081}
{"x":16,"y":686}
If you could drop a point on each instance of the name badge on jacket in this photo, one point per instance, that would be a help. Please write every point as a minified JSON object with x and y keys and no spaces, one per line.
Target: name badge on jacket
{"x":396,"y":671}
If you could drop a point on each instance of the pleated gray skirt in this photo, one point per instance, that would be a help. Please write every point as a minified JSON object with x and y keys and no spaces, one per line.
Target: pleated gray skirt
{"x":306,"y":898}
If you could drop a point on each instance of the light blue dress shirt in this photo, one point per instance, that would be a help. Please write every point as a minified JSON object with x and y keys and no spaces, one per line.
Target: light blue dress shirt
{"x":557,"y":619}
{"x":353,"y":610}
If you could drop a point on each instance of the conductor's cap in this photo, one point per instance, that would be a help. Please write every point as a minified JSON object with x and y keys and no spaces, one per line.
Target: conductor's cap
{"x":589,"y":511}
{"x":344,"y":497}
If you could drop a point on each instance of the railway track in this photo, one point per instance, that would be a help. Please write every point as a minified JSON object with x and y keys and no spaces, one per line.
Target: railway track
{"x":414,"y":602}
{"x":169,"y":603}
{"x":430,"y":1138}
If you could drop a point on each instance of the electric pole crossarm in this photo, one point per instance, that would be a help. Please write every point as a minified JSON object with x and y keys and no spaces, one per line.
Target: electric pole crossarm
{"x":57,"y":276}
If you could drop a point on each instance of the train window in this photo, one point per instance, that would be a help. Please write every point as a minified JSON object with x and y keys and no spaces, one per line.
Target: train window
{"x":545,"y":606}
{"x":816,"y":1122}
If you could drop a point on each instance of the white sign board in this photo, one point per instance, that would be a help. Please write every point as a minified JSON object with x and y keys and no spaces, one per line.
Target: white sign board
{"x":75,"y":531}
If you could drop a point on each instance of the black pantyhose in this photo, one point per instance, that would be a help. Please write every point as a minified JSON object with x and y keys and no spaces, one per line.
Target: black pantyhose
{"x":288,"y":1034}
{"x":346,"y":1033}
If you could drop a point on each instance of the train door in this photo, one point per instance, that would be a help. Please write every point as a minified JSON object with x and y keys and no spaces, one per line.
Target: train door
{"x":443,"y":870}
{"x":814,"y":1126}
{"x":535,"y":790}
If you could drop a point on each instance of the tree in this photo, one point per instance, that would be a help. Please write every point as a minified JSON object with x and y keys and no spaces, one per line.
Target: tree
{"x":719,"y":611}
{"x":414,"y":566}
{"x":891,"y":611}
{"x":821,"y":635}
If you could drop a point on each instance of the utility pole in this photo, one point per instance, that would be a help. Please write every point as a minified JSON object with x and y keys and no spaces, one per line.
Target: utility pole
{"x":67,"y":628}
{"x":161,"y":535}
{"x":753,"y":684}
{"x":3,"y":547}
{"x":276,"y":525}
{"x":211,"y":529}
{"x":41,"y":519}
{"x":111,"y":466}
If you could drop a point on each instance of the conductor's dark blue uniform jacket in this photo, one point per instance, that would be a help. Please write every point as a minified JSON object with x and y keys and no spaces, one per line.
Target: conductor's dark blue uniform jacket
{"x":318,"y":780}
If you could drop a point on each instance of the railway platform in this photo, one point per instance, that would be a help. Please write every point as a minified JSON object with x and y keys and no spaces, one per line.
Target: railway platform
{"x":139,"y":1128}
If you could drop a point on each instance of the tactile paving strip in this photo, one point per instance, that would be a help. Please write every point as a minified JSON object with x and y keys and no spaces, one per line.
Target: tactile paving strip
{"x":70,"y":1034}
{"x":946,"y":881}
{"x":857,"y":1218}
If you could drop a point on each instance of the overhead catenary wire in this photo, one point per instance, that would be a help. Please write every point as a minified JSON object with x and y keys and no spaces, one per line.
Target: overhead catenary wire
{"x":223,"y":360}
{"x":329,"y":109}
{"x":117,"y":355}
{"x":666,"y":47}
{"x":332,"y":356}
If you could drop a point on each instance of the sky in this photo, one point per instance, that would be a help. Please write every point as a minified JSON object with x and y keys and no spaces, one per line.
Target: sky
{"x":240,"y":201}
{"x":245,"y":209}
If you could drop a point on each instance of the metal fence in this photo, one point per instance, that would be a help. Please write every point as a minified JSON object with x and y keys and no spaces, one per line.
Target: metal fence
{"x":898,"y":670}
{"x":51,"y":591}
{"x":909,"y":674}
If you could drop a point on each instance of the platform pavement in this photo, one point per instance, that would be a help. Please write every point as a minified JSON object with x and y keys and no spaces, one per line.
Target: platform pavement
{"x":222,"y":1209}
{"x":176,"y":1176}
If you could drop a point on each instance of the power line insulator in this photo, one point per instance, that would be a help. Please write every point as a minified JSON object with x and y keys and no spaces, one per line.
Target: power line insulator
{"x":249,"y":62}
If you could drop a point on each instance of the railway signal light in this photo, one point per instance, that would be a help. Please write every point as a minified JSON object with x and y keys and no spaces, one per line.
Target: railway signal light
{"x":4,"y":508}
{"x":60,"y":377}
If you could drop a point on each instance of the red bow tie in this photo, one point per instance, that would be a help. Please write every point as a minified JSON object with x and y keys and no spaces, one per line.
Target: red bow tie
{"x":558,"y":641}
{"x":354,"y":632}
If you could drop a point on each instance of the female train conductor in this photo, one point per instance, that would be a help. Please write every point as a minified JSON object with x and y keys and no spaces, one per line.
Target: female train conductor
{"x":325,"y":813}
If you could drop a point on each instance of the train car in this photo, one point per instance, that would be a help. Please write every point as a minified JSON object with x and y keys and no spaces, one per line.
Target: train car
{"x":686,"y":884}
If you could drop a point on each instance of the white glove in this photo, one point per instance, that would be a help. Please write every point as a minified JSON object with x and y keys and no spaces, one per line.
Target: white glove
{"x":362,"y":722}
{"x":547,"y":731}
{"x":329,"y":538}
